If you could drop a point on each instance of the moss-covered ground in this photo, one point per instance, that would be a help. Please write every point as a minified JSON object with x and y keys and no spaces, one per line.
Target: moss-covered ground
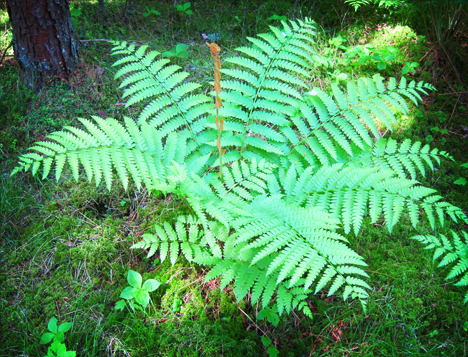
{"x":65,"y":247}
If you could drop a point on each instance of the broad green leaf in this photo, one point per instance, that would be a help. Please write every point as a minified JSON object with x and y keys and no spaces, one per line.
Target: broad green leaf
{"x":134,"y":279}
{"x":120,"y":305}
{"x":46,"y":338}
{"x":60,"y":336}
{"x":65,"y":327}
{"x":151,"y":285}
{"x":52,"y":325}
{"x":129,"y":293}
{"x":142,"y":297}
{"x":273,"y":351}
{"x":266,"y":341}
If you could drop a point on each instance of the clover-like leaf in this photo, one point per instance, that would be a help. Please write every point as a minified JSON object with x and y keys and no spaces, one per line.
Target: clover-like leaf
{"x":134,"y":279}
{"x":65,"y":326}
{"x":52,"y":325}
{"x":151,"y":285}
{"x":129,"y":293}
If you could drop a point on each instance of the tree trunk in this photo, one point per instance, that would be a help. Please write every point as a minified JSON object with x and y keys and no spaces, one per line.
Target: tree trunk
{"x":102,"y":9}
{"x":44,"y":39}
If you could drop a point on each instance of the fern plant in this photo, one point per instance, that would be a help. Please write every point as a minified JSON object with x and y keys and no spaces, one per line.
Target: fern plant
{"x":277,"y":174}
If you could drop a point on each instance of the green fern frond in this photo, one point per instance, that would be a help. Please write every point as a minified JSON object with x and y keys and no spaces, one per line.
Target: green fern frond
{"x":346,"y":192}
{"x":406,"y":159}
{"x":454,"y":252}
{"x":170,"y":99}
{"x":131,"y":151}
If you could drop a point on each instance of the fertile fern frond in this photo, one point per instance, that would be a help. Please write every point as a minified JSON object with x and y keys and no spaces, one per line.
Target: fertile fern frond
{"x":453,"y":252}
{"x":107,"y":145}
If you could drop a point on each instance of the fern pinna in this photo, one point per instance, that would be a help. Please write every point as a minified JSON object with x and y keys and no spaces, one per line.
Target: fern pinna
{"x":300,"y":165}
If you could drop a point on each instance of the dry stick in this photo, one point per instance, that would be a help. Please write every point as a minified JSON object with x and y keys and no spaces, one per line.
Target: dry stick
{"x":95,"y":40}
{"x":4,"y":53}
{"x":252,"y":321}
{"x":462,"y":92}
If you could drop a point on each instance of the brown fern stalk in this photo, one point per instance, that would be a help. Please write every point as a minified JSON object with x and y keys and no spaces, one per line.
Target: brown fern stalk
{"x":214,"y":48}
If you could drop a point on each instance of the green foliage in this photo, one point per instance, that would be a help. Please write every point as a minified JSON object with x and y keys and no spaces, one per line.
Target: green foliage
{"x":57,"y":336}
{"x":452,"y":252}
{"x":137,"y":292}
{"x":185,"y":8}
{"x":271,"y":314}
{"x":302,"y":167}
{"x":179,"y":51}
{"x":271,"y":351}
{"x":149,"y":12}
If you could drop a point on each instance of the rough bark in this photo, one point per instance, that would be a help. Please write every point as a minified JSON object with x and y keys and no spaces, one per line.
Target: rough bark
{"x":44,"y":40}
{"x":102,"y":9}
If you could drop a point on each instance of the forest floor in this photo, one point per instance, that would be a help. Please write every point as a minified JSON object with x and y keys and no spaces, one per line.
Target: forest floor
{"x":65,"y":247}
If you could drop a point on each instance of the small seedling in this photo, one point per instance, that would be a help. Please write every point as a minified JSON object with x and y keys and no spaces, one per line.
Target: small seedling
{"x":57,"y":334}
{"x":149,"y":12}
{"x":177,"y":304}
{"x":272,"y":350}
{"x":409,"y":67}
{"x":137,"y":294}
{"x":277,"y":17}
{"x":271,"y":314}
{"x":75,"y":13}
{"x":185,"y":8}
{"x":179,"y":51}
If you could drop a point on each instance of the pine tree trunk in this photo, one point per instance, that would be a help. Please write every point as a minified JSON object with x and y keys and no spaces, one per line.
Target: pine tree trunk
{"x":44,"y":39}
{"x":102,"y":9}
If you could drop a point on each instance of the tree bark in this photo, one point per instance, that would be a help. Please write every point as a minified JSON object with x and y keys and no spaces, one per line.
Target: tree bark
{"x":44,"y":40}
{"x":102,"y":9}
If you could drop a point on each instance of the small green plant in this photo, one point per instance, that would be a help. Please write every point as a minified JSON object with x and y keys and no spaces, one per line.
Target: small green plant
{"x":271,"y":315}
{"x":179,"y":51}
{"x":57,"y":336}
{"x":361,"y":55}
{"x":461,"y":180}
{"x":272,"y":350}
{"x":137,"y":295}
{"x":409,"y":67}
{"x":149,"y":12}
{"x":75,"y":14}
{"x":185,"y":8}
{"x":277,"y":17}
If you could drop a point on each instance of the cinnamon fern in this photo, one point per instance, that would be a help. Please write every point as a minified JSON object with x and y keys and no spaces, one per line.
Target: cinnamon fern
{"x":279,"y":176}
